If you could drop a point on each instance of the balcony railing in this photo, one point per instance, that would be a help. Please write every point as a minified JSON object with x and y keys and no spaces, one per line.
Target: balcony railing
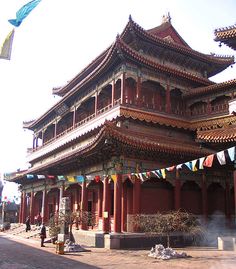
{"x":93,"y":118}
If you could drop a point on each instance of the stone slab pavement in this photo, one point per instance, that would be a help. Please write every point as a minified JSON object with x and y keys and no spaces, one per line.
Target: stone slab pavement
{"x":21,"y":253}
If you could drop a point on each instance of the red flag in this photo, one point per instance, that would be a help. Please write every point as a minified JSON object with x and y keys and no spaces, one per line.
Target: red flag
{"x":97,"y":178}
{"x":209,"y":160}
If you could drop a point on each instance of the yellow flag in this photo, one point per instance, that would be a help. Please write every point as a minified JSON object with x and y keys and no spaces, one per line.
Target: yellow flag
{"x":163,"y":173}
{"x":5,"y":50}
{"x":71,"y":179}
{"x":114,"y":178}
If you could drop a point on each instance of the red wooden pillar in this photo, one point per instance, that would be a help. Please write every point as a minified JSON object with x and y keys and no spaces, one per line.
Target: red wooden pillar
{"x":177,"y":190}
{"x":136,"y":200}
{"x":168,"y":104}
{"x":117,"y":203}
{"x":84,"y":205}
{"x":74,"y":117}
{"x":96,"y":104}
{"x":204,"y":197}
{"x":76,"y":205}
{"x":32,"y":207}
{"x":227,"y":200}
{"x":124,"y":208}
{"x":43,"y":206}
{"x":122,"y":88}
{"x":46,"y":208}
{"x":24,"y":207}
{"x":99,"y":201}
{"x":42,"y":137}
{"x":158,"y":100}
{"x":55,"y":130}
{"x":208,"y":106}
{"x":137,"y":196}
{"x":21,"y":209}
{"x":61,"y":194}
{"x":235,"y":193}
{"x":106,"y":207}
{"x":138,"y":91}
{"x":113,"y":93}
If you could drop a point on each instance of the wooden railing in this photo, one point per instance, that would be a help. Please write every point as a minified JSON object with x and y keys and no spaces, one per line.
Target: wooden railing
{"x":80,"y":123}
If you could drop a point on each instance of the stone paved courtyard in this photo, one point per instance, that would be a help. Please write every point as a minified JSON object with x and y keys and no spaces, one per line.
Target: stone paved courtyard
{"x":22,"y":253}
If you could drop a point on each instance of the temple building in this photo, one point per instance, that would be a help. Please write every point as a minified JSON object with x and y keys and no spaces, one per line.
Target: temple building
{"x":130,"y":129}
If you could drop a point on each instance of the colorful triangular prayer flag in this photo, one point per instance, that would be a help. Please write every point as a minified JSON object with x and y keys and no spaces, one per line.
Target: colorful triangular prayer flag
{"x":201,"y":161}
{"x":179,"y":166}
{"x":97,"y":178}
{"x":140,"y":175}
{"x":231,"y":152}
{"x":209,"y":160}
{"x":159,"y":173}
{"x":61,"y":178}
{"x":23,"y":12}
{"x":163,"y":172}
{"x":6,"y":48}
{"x":79,"y":178}
{"x":194,"y":166}
{"x":221,"y":157}
{"x":171,"y":168}
{"x":41,"y":176}
{"x":51,"y":177}
{"x":189,"y":165}
{"x":114,"y":178}
{"x":71,"y":179}
{"x":155,"y":173}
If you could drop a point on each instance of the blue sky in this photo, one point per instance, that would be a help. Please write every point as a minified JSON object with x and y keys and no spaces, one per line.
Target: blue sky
{"x":60,"y":37}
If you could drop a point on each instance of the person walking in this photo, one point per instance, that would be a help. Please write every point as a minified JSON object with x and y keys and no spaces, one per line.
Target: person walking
{"x":27,"y":223}
{"x":42,"y":234}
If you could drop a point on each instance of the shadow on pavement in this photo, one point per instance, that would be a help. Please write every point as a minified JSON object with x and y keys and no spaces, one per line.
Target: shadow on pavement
{"x":16,"y":254}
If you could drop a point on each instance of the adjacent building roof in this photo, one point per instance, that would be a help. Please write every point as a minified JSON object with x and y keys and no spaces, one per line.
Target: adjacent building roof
{"x":220,"y":135}
{"x":210,"y":89}
{"x":227,"y":35}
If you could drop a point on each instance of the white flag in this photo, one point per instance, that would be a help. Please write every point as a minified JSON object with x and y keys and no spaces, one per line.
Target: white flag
{"x":221,"y":157}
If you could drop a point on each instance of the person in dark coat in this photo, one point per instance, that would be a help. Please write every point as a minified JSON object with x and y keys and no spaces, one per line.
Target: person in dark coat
{"x":42,"y":234}
{"x":27,"y":223}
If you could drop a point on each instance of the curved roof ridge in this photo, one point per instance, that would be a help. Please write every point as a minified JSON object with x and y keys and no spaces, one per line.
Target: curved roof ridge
{"x":181,"y":48}
{"x":91,"y":65}
{"x":213,"y":87}
{"x":165,"y":68}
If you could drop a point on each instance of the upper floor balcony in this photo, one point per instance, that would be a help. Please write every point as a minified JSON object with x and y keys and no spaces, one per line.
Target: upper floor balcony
{"x":105,"y":104}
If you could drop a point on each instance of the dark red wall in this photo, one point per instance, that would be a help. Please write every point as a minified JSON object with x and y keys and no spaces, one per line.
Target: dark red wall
{"x":156,"y":196}
{"x":191,"y":199}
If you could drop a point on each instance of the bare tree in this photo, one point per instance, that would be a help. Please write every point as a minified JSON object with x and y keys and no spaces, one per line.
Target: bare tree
{"x":168,"y":223}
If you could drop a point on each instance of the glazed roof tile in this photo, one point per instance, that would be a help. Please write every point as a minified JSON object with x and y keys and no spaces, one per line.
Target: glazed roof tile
{"x":134,"y":139}
{"x":210,"y":89}
{"x":227,"y":36}
{"x":219,"y":135}
{"x":185,"y":49}
{"x":150,"y":117}
{"x":225,"y":33}
{"x":176,"y":46}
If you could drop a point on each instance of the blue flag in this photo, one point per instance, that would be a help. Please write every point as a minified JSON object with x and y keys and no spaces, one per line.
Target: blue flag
{"x":23,"y":12}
